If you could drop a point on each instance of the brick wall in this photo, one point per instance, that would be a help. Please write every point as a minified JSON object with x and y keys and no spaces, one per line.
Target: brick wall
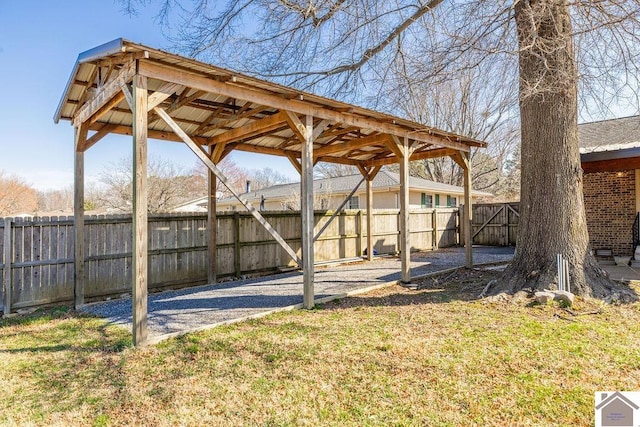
{"x":610,"y":203}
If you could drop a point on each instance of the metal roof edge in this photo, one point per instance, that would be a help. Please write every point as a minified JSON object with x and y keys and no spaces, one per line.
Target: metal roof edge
{"x":610,"y":155}
{"x":106,"y":49}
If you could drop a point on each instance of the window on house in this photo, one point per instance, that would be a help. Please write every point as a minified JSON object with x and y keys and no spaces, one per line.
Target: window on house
{"x":452,"y":201}
{"x":426,"y":200}
{"x":354,"y":202}
{"x":437,"y":200}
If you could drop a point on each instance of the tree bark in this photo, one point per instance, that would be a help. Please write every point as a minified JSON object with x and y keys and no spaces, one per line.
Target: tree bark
{"x":552,"y":218}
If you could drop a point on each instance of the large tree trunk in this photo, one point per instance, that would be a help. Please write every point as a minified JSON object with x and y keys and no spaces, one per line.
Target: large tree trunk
{"x":552,"y":218}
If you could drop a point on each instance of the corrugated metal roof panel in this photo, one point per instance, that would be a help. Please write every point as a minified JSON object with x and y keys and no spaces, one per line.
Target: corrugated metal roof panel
{"x":197,"y":114}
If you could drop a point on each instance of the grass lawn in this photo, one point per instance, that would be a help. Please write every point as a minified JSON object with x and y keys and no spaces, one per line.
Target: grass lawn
{"x":390,"y":357}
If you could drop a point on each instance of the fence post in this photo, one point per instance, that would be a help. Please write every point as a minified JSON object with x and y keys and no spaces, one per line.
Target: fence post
{"x":359,"y":231}
{"x":6,"y":279}
{"x":434,"y":226}
{"x":236,"y":246}
{"x":505,"y":224}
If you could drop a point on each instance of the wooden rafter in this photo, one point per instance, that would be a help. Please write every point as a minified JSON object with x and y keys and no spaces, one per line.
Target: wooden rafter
{"x":190,"y":79}
{"x":94,"y":108}
{"x":160,"y":95}
{"x":352,"y":144}
{"x":339,"y":160}
{"x":210,"y":126}
{"x":257,"y":127}
{"x":154,"y":134}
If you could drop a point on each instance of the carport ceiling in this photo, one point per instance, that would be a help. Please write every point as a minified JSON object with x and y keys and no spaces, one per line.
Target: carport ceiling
{"x":227,"y":111}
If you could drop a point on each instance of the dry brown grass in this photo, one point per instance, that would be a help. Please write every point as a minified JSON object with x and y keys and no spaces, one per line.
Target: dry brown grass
{"x":390,"y":357}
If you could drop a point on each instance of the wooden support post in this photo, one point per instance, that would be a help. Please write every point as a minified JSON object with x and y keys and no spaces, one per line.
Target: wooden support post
{"x":468,"y":240}
{"x":78,"y":224}
{"x":139,"y":264}
{"x":405,"y":243}
{"x":237,"y":262}
{"x":306,"y":192}
{"x":369,"y":218}
{"x":212,"y":223}
{"x":6,"y":270}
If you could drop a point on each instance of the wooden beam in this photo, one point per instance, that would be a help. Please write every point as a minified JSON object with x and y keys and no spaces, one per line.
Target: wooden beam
{"x":78,"y":224}
{"x":180,"y":102}
{"x":431,"y":154}
{"x":396,"y":147}
{"x":456,"y":157}
{"x":257,"y":127}
{"x":405,"y":233}
{"x":468,"y":211}
{"x":369,"y":192}
{"x":128,"y":96}
{"x":378,"y":139}
{"x":207,"y":127}
{"x":93,"y":109}
{"x":339,"y":160}
{"x":223,"y":179}
{"x":185,"y":78}
{"x":294,"y":161}
{"x":319,"y":128}
{"x":153,"y":134}
{"x":216,"y":154}
{"x":212,"y":222}
{"x":139,"y":262}
{"x":296,"y":125}
{"x":100,"y":133}
{"x":401,"y":147}
{"x":264,"y":150}
{"x":421,"y":155}
{"x":80,"y":136}
{"x":383,"y":161}
{"x":160,"y":95}
{"x":306,"y":211}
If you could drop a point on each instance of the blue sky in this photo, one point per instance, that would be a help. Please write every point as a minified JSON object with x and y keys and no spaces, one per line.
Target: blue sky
{"x":39,"y":44}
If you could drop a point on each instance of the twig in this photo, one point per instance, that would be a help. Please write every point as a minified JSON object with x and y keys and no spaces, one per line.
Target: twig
{"x":563,"y":318}
{"x":584,"y":313}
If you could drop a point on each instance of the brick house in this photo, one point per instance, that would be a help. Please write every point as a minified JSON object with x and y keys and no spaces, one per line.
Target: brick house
{"x":610,"y":157}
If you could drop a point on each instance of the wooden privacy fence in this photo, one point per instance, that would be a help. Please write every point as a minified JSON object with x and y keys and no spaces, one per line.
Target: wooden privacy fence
{"x":37,"y":254}
{"x":495,"y":224}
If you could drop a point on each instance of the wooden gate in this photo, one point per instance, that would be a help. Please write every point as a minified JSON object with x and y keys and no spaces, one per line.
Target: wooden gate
{"x":495,"y":224}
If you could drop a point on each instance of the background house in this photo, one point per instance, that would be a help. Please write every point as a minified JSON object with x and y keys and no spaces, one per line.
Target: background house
{"x":610,"y":157}
{"x":330,"y":192}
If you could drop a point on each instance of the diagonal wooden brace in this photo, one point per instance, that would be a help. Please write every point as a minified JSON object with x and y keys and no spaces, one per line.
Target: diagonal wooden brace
{"x":223,"y":179}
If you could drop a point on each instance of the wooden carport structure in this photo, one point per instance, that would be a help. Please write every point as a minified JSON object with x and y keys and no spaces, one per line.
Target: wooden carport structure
{"x":130,"y":89}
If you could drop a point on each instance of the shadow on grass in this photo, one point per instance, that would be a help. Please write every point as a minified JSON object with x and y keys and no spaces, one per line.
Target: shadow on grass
{"x":72,"y":331}
{"x":458,"y":286}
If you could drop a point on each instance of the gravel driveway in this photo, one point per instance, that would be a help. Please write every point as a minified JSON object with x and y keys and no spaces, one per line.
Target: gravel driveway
{"x":176,"y":312}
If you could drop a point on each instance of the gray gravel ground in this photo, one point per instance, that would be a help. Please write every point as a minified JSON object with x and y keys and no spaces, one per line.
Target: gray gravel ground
{"x":180,"y":311}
